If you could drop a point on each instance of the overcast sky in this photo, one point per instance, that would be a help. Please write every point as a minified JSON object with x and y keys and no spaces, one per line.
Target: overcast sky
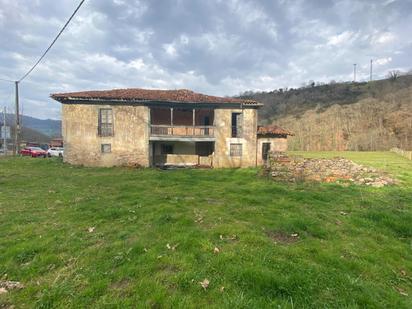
{"x":220,"y":47}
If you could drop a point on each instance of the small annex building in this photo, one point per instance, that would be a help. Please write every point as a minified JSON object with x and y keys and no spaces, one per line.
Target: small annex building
{"x":271,"y":138}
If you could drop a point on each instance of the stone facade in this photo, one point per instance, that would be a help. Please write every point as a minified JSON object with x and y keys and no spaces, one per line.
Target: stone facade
{"x":82,"y":143}
{"x":247,"y":138}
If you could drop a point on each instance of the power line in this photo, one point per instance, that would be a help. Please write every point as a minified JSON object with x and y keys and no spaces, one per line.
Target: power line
{"x":16,"y":83}
{"x":52,"y":43}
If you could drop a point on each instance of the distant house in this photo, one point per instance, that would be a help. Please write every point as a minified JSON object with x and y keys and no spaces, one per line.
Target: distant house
{"x":56,"y":142}
{"x":164,"y":127}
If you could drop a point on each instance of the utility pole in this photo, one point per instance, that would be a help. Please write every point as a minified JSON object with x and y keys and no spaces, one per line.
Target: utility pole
{"x":17,"y":128}
{"x":4,"y":131}
{"x":354,"y":72}
{"x":371,"y":70}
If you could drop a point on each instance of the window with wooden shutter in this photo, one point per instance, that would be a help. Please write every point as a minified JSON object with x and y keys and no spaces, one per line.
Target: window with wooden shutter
{"x":237,"y":120}
{"x":105,"y":127}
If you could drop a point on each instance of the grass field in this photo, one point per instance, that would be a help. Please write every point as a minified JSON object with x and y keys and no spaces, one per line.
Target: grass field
{"x":117,"y":238}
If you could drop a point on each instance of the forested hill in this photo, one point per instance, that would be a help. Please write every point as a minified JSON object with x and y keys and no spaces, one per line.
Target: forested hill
{"x":49,"y":127}
{"x":342,"y":116}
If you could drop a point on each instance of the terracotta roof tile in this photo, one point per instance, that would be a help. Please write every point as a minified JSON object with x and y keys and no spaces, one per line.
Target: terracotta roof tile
{"x":272,"y":129}
{"x":181,"y":95}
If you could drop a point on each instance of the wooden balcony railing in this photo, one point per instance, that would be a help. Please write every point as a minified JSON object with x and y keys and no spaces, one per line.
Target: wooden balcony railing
{"x":188,"y":131}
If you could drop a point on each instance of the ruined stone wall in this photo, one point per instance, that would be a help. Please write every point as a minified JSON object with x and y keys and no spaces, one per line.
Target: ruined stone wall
{"x":129,"y":144}
{"x":223,"y":133}
{"x":339,"y":170}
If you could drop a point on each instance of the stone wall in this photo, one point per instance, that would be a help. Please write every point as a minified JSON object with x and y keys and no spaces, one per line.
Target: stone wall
{"x":403,"y":153}
{"x":129,"y":144}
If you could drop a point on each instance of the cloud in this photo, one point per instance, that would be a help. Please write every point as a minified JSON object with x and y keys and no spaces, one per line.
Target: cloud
{"x":217,"y":47}
{"x":383,"y":38}
{"x":342,"y":39}
{"x":383,"y":61}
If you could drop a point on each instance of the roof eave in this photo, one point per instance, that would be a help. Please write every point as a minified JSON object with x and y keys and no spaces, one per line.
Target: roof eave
{"x":79,"y":100}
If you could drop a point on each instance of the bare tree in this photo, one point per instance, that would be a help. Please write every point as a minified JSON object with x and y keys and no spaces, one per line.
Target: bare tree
{"x":394,"y":75}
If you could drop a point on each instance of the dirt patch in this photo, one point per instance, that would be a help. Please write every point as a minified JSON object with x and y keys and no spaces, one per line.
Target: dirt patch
{"x":282,"y":237}
{"x":120,"y":285}
{"x":168,"y":268}
{"x":121,"y":288}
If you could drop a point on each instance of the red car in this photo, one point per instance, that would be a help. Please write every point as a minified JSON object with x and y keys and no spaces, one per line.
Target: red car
{"x":34,"y":152}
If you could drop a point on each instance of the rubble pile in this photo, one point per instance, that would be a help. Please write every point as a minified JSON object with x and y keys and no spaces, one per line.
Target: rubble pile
{"x":295,"y":169}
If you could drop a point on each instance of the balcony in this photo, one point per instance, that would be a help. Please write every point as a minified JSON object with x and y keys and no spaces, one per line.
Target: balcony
{"x":188,"y":131}
{"x":168,"y":124}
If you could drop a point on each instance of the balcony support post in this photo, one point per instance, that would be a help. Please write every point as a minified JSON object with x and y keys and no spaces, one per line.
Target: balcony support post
{"x":194,"y":120}
{"x":171,"y":118}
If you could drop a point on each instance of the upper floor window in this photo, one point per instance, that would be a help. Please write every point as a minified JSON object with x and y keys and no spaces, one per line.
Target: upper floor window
{"x":236,"y":124}
{"x":105,"y":127}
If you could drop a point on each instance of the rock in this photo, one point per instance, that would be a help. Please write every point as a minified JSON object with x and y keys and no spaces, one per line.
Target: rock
{"x":11,"y":285}
{"x":204,"y":284}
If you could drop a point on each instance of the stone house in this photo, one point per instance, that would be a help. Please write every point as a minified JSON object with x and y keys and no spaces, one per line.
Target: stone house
{"x":164,"y":127}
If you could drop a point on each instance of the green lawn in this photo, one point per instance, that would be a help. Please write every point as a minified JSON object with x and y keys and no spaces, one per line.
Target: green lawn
{"x":353,"y":249}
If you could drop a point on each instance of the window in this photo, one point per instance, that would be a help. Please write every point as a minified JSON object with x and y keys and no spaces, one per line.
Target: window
{"x":265,"y":151}
{"x":105,"y":122}
{"x":235,"y":150}
{"x":106,"y":148}
{"x":166,"y":149}
{"x":236,"y":124}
